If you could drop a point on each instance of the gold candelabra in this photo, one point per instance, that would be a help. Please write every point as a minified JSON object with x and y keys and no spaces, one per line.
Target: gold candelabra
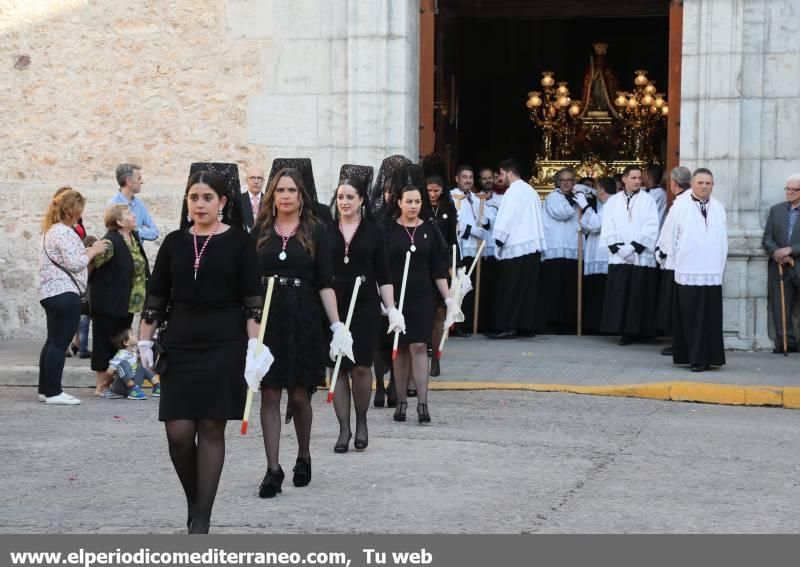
{"x":641,"y":111}
{"x":555,"y":113}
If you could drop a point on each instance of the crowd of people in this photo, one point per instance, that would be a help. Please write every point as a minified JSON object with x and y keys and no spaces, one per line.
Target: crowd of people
{"x":375,"y":280}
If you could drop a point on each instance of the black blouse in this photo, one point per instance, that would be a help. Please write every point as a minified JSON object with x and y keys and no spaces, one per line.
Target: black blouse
{"x":299,"y":263}
{"x":428,"y":261}
{"x":368,"y":260}
{"x":213,"y":307}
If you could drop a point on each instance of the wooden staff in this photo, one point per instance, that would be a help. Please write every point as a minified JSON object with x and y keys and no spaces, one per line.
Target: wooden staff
{"x":402,"y":300}
{"x":248,"y":406}
{"x":783,"y":306}
{"x":476,"y":302}
{"x":346,"y":326}
{"x":453,"y":281}
{"x":580,"y":275}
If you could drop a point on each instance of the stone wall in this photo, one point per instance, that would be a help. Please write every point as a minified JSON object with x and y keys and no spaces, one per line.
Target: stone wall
{"x":740,"y":117}
{"x":86,"y":85}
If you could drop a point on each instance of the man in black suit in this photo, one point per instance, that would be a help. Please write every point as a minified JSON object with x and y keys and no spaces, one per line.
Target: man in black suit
{"x":251,"y":199}
{"x":782,"y":243}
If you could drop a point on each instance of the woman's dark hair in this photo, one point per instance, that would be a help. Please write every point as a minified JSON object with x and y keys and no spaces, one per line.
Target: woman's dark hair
{"x":446,"y":204}
{"x":265,"y":222}
{"x":362,"y":192}
{"x":231,"y":212}
{"x":434,"y":180}
{"x":608,"y":184}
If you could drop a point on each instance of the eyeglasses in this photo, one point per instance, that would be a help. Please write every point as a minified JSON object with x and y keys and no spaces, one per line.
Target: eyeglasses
{"x":255,"y":179}
{"x":791,"y":189}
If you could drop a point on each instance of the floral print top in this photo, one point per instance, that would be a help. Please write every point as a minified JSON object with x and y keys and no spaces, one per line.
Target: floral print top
{"x":64,"y":247}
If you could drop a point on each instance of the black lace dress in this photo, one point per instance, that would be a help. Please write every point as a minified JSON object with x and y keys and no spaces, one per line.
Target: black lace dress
{"x":428,"y":263}
{"x":368,"y":260}
{"x":202,"y":368}
{"x":295,"y":332}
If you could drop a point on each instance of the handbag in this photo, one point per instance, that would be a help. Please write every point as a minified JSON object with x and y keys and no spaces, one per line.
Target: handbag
{"x":85,"y":307}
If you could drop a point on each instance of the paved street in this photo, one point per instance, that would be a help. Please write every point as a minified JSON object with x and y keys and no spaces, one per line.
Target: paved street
{"x":491,"y":462}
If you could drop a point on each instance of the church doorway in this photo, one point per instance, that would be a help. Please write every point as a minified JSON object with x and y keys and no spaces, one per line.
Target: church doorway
{"x":486,"y":56}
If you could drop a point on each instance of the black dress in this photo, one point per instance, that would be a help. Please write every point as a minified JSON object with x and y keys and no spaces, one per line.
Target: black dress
{"x":202,"y":370}
{"x":368,"y":260}
{"x":294,"y":332}
{"x":428,"y":263}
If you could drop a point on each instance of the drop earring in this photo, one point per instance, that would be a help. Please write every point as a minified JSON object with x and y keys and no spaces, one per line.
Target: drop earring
{"x":274,"y":211}
{"x":188,"y":217}
{"x":219,"y":215}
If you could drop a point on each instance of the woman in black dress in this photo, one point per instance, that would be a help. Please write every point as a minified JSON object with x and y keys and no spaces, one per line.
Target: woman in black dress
{"x":428,"y":266}
{"x":292,"y":246}
{"x":445,"y":216}
{"x":208,"y":275}
{"x":358,"y":249}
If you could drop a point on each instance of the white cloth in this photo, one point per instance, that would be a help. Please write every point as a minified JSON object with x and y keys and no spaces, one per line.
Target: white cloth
{"x":626,"y":221}
{"x":519,"y":223}
{"x":454,"y":314}
{"x":560,"y":221}
{"x":595,"y":255}
{"x":469,"y":216}
{"x":342,"y":342}
{"x":669,"y":261}
{"x":257,"y":363}
{"x":659,"y":195}
{"x":699,"y":245}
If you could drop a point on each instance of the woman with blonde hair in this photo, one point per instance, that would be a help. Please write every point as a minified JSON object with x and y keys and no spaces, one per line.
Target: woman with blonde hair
{"x":117,"y":286}
{"x":62,"y":286}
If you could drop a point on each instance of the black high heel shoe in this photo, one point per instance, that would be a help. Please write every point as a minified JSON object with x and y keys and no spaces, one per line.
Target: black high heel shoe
{"x":271,"y":485}
{"x":360,"y":443}
{"x":302,"y":471}
{"x":342,"y":447}
{"x":74,"y":348}
{"x":422,"y":413}
{"x":411,"y":392}
{"x":380,"y":398}
{"x":400,"y":412}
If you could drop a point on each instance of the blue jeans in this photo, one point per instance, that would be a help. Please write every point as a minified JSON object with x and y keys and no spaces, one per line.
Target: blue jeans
{"x":83,"y":333}
{"x":63,"y":313}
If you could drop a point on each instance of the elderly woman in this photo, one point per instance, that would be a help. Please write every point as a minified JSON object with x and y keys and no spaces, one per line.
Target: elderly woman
{"x":117,"y":286}
{"x":62,"y":276}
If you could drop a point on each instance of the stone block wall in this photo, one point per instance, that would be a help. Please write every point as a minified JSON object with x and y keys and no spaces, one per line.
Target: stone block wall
{"x":740,"y":115}
{"x":86,"y":85}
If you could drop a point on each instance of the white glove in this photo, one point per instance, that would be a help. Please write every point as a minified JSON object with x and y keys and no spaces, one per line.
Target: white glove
{"x":466,"y":283}
{"x":627,"y":252}
{"x":580,"y":198}
{"x":396,"y":321}
{"x":342,"y":342}
{"x":480,"y":233}
{"x":146,"y":354}
{"x":256,"y":366}
{"x":454,"y":314}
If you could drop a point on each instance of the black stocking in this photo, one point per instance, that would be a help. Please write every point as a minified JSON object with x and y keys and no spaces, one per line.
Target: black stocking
{"x":301,"y":405}
{"x":210,"y":458}
{"x":362,"y":386}
{"x":183,"y":452}
{"x":341,"y":405}
{"x":271,"y":424}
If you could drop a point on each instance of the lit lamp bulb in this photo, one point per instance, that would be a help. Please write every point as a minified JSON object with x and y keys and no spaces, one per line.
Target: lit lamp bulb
{"x":620,"y":100}
{"x":534,"y":100}
{"x":647,"y":100}
{"x":650,"y":89}
{"x":574,"y":110}
{"x":562,"y":89}
{"x":659,"y":102}
{"x":632,"y":103}
{"x":664,"y":110}
{"x":563,"y":101}
{"x":547,"y":79}
{"x":641,"y":78}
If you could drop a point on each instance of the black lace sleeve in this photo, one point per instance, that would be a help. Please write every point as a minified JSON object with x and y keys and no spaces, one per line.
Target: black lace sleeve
{"x":252,"y":290}
{"x":159,"y":287}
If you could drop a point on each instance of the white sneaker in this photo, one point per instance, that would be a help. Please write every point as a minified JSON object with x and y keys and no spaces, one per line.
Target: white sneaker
{"x":62,"y":400}
{"x":42,"y":398}
{"x":68,"y":395}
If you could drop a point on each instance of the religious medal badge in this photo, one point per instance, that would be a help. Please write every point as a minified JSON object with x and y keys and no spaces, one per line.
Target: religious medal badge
{"x":411,"y":234}
{"x":346,"y":241}
{"x":284,"y":238}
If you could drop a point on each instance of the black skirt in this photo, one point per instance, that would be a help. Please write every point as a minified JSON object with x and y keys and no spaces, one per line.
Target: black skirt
{"x":630,"y":302}
{"x":560,"y":294}
{"x":104,"y":327}
{"x":697,"y":325}
{"x":295,"y":337}
{"x":418,"y":313}
{"x":664,"y":310}
{"x":205,"y":383}
{"x":517,"y":288}
{"x":594,"y":291}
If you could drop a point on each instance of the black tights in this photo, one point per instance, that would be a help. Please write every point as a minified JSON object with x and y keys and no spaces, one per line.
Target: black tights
{"x":300,"y":402}
{"x":412,"y":362}
{"x":362,"y":386}
{"x":197,"y":450}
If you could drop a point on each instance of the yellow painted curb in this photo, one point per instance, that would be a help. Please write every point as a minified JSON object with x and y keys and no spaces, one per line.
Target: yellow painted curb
{"x":679,"y":391}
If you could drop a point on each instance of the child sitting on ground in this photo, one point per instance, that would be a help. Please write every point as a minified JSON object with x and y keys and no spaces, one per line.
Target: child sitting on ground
{"x":127,"y":372}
